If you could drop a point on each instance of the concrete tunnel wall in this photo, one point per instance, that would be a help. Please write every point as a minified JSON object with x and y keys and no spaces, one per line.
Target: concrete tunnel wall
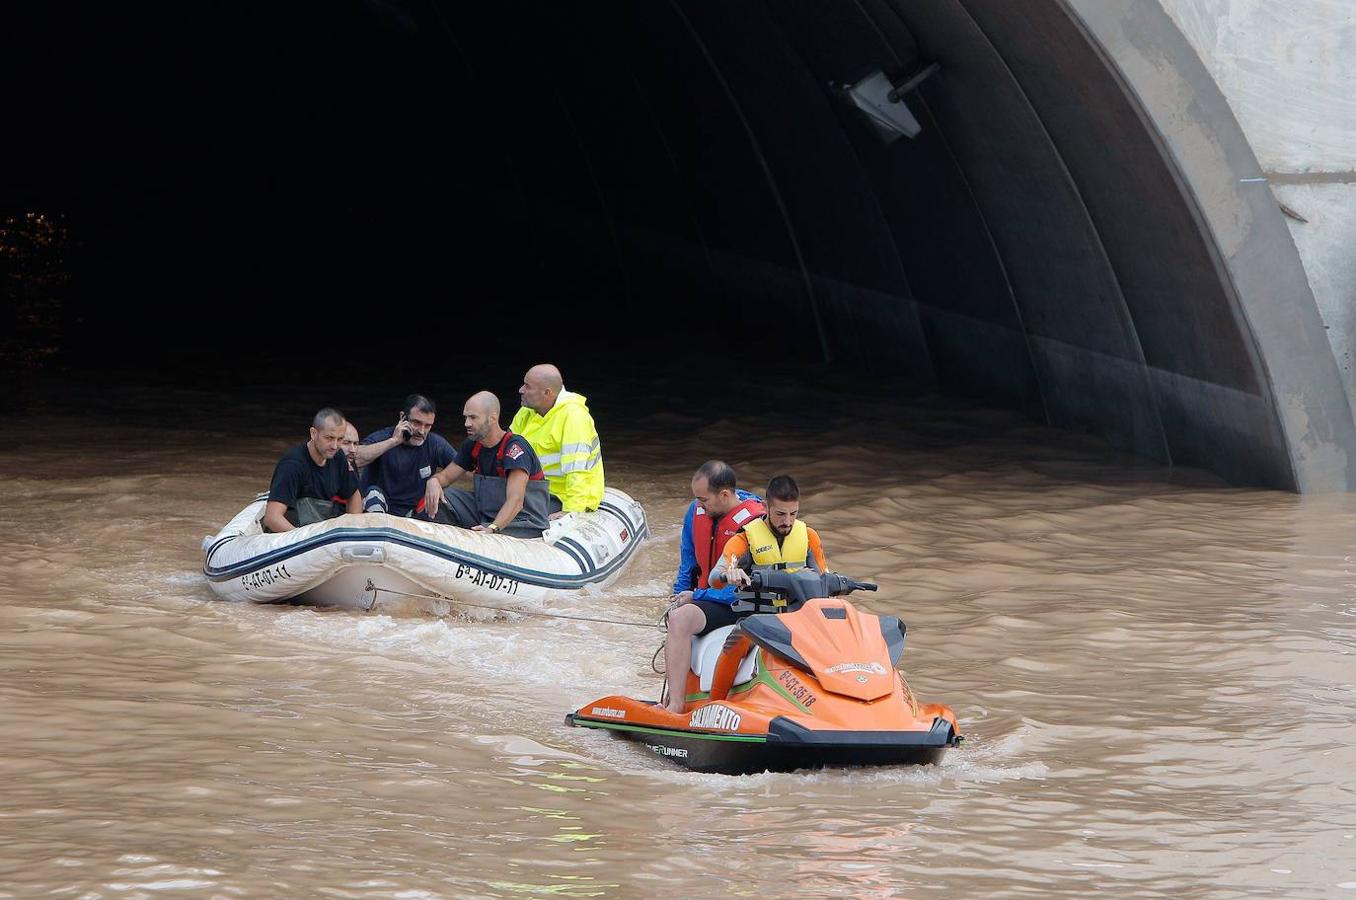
{"x":1079,"y":230}
{"x":1288,"y":71}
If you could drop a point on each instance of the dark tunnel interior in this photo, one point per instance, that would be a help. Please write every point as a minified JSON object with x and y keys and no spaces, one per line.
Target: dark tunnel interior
{"x":664,"y":180}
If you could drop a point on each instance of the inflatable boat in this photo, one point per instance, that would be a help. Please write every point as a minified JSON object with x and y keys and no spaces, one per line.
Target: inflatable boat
{"x":351,"y":561}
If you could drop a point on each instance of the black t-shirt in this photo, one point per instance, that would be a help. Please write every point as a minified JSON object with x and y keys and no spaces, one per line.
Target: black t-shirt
{"x":297,"y":476}
{"x":518,"y":454}
{"x":403,"y":471}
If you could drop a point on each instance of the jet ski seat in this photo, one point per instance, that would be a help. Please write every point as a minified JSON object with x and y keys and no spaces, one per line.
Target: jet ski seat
{"x":706,"y":650}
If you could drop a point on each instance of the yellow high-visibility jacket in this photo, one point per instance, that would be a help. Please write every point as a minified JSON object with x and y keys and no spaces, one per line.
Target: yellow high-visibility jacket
{"x":568,"y":446}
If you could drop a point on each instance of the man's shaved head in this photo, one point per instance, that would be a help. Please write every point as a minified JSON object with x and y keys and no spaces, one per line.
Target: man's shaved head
{"x":548,"y":375}
{"x":481,"y":416}
{"x":541,"y":386}
{"x":327,"y":416}
{"x":485,"y":403}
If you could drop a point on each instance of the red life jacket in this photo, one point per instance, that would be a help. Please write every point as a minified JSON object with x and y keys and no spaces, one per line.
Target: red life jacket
{"x":708,"y":538}
{"x":499,"y":458}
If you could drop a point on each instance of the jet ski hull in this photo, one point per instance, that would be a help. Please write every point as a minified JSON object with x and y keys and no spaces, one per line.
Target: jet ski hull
{"x":786,"y":747}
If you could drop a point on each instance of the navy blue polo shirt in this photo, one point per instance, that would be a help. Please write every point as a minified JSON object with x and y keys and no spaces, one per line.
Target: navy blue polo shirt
{"x":402,"y":472}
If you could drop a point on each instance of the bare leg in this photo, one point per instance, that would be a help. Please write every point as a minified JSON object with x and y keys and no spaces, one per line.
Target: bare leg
{"x":684,"y":622}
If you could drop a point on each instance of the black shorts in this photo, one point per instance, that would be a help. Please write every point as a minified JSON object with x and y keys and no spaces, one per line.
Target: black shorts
{"x":718,"y":615}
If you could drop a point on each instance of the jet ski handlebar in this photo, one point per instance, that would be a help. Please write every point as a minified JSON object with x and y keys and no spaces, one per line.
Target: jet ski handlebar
{"x":804,"y":584}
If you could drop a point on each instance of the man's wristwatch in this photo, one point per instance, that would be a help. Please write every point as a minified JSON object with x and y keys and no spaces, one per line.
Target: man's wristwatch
{"x":492,"y":527}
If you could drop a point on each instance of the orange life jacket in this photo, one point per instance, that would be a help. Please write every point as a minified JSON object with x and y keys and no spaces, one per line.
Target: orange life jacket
{"x":708,"y":537}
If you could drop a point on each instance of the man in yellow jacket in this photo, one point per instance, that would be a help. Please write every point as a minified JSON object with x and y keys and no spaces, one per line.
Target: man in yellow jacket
{"x":557,"y":424}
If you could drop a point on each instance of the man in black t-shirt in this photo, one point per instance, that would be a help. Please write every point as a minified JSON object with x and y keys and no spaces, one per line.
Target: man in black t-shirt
{"x":510,"y":494}
{"x":396,"y":462}
{"x":312,"y":482}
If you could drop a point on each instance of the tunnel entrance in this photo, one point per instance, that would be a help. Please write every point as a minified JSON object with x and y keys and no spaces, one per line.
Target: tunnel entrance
{"x":690,"y":181}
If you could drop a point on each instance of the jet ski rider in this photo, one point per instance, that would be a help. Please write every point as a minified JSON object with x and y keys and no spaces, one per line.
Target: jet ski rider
{"x":777,"y":539}
{"x":719,"y":509}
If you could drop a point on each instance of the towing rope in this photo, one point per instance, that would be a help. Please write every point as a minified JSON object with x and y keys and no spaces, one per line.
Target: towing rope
{"x":508,"y":609}
{"x":662,"y":625}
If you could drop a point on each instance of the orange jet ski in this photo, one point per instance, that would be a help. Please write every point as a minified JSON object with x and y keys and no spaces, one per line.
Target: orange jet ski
{"x":805,"y":681}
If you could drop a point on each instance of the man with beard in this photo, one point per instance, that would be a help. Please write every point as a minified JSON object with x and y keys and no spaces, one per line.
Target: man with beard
{"x":312,"y":481}
{"x":777,"y":539}
{"x":509,"y":495}
{"x":349,"y":445}
{"x":396,"y":462}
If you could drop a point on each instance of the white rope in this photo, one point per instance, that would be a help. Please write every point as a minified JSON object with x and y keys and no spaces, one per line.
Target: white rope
{"x":508,"y":609}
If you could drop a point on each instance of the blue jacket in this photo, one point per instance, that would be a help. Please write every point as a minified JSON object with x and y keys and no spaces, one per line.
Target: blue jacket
{"x":689,"y":571}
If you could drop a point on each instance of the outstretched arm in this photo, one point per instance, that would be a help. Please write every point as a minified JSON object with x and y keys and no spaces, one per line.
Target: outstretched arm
{"x":275,"y":516}
{"x":364,"y":454}
{"x":514,"y":494}
{"x":433,"y":489}
{"x":735,"y":558}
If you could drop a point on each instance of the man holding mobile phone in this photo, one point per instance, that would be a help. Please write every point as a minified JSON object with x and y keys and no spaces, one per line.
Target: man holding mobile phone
{"x":397,"y":462}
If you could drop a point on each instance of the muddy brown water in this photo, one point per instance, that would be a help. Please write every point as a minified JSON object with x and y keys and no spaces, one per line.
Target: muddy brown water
{"x":1154,"y":672}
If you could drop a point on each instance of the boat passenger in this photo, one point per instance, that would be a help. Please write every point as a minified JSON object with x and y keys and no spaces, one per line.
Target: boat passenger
{"x":778,"y":539}
{"x":717,"y":513}
{"x":558,"y":425}
{"x":509,"y":490}
{"x":397,"y":462}
{"x":349,"y":444}
{"x":312,"y":482}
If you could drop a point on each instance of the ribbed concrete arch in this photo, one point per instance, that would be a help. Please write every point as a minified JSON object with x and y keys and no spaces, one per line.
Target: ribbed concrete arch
{"x":1080,"y":231}
{"x":1075,"y":231}
{"x":1247,"y":252}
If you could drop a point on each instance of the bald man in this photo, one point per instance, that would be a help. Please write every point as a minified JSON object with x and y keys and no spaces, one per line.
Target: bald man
{"x":560,"y":428}
{"x":349,"y":446}
{"x":509,"y":492}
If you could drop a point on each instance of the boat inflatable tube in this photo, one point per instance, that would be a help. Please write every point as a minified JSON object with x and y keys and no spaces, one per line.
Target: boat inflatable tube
{"x":348,"y":561}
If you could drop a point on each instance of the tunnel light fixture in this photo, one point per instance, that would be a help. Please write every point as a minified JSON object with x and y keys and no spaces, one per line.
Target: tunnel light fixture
{"x":882,"y":102}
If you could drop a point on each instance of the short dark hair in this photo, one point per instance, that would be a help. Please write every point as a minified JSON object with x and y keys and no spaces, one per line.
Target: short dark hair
{"x":421,"y":403}
{"x":329,"y":413}
{"x":783,"y":487}
{"x":719,"y":475}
